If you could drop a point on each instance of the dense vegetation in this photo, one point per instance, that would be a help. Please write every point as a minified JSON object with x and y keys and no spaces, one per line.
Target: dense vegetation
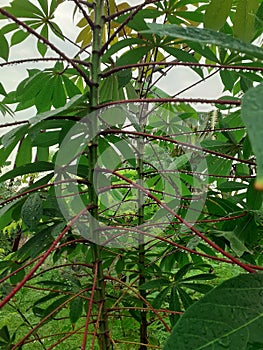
{"x":130,"y":218}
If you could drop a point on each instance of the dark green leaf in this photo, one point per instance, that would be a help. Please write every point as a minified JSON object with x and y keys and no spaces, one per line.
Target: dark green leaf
{"x":27,"y":169}
{"x":32,"y":211}
{"x":4,"y":52}
{"x":185,"y":298}
{"x":75,"y":311}
{"x":4,"y":334}
{"x":59,"y":95}
{"x":205,"y":36}
{"x":174,"y":305}
{"x":160,"y":298}
{"x":234,"y":320}
{"x":18,"y":276}
{"x":18,"y":37}
{"x":132,"y":56}
{"x":160,"y":282}
{"x":198,"y":287}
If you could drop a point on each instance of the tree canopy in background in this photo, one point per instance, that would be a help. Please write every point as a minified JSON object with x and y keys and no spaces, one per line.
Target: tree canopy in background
{"x":131,"y":218}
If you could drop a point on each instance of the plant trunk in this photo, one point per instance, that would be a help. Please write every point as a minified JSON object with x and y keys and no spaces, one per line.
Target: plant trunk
{"x":141,"y":257}
{"x":99,"y":295}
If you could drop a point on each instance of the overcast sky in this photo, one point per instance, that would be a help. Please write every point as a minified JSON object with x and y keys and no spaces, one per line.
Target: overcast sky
{"x":175,"y":81}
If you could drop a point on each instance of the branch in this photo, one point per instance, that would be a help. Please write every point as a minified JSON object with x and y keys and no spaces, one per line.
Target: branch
{"x":87,"y":18}
{"x":167,"y":139}
{"x":184,"y":64}
{"x":172,"y":100}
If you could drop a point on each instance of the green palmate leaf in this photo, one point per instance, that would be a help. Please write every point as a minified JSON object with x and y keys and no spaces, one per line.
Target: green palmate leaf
{"x":44,"y":6}
{"x":46,"y":139}
{"x":43,"y":100}
{"x":120,"y":45}
{"x":228,"y":317}
{"x":217,"y":13}
{"x":252,"y":114}
{"x":4,"y":47}
{"x":244,"y":21}
{"x":75,"y":101}
{"x":71,"y":88}
{"x":24,"y":8}
{"x":32,"y":210}
{"x":205,"y":36}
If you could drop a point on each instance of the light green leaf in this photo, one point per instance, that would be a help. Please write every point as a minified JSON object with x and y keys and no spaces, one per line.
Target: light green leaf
{"x":113,"y":116}
{"x":252,"y":114}
{"x":244,"y":20}
{"x":205,"y":36}
{"x":217,"y":13}
{"x":228,"y":317}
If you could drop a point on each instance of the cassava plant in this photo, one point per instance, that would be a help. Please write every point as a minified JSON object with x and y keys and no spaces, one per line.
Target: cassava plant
{"x":138,"y":214}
